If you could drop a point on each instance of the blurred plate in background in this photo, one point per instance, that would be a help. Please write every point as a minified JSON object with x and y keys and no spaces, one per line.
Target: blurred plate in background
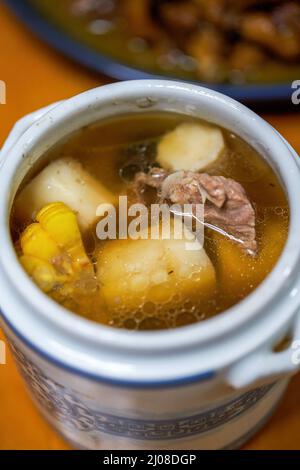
{"x":93,"y":43}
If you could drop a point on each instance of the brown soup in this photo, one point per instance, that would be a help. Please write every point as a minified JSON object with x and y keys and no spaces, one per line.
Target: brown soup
{"x":150,"y":284}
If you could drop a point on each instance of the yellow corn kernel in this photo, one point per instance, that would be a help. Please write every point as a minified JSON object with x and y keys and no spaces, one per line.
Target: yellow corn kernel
{"x":52,"y":252}
{"x":36,"y":242}
{"x":41,"y":271}
{"x":61,"y":224}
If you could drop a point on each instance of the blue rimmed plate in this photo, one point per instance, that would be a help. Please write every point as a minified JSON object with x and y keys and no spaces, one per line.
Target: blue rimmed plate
{"x":99,"y":62}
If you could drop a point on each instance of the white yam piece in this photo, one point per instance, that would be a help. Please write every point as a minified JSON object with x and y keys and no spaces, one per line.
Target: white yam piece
{"x":134,"y":272}
{"x":191,"y":147}
{"x":63,"y":180}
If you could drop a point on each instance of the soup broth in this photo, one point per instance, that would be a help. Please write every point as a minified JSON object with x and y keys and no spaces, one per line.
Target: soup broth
{"x":128,"y":283}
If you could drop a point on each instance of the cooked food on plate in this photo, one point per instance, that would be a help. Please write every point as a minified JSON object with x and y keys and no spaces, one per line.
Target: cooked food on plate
{"x":241,"y":41}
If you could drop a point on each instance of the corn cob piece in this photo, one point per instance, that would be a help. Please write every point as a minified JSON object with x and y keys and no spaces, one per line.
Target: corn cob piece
{"x":52,"y":251}
{"x":61,"y":224}
{"x":36,"y":242}
{"x":42,"y":272}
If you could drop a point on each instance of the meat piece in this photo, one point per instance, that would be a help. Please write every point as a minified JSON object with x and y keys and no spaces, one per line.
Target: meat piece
{"x":93,"y":7}
{"x":227,"y":208}
{"x":179,"y":17}
{"x":145,"y":187}
{"x":140,"y":21}
{"x":153,"y":179}
{"x":226,"y":14}
{"x":208,"y":47}
{"x":187,"y":187}
{"x":246,"y":56}
{"x":272,"y":25}
{"x":278,"y":31}
{"x":218,"y":13}
{"x":226,"y":204}
{"x":287,"y":19}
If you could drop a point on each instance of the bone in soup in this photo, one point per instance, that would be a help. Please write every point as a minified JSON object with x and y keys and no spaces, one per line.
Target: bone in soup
{"x":145,"y":283}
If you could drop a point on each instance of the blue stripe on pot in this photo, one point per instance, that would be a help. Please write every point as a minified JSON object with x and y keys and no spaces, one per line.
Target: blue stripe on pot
{"x":208,"y":375}
{"x":234,"y":445}
{"x":63,"y":405}
{"x":249,"y":434}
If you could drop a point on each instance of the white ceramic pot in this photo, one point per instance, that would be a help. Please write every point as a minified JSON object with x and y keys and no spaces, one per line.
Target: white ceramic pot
{"x":204,"y":386}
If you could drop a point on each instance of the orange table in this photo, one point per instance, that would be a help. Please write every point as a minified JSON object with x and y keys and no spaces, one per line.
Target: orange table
{"x":36,"y":76}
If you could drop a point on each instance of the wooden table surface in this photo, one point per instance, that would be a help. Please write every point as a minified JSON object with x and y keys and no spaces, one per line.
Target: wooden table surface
{"x":35,"y":76}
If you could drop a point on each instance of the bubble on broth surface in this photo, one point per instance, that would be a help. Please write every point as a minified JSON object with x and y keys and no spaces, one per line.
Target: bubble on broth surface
{"x":155,"y":315}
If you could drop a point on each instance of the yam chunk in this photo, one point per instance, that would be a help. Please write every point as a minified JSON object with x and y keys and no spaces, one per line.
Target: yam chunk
{"x":191,"y":146}
{"x":63,"y":180}
{"x":134,"y":272}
